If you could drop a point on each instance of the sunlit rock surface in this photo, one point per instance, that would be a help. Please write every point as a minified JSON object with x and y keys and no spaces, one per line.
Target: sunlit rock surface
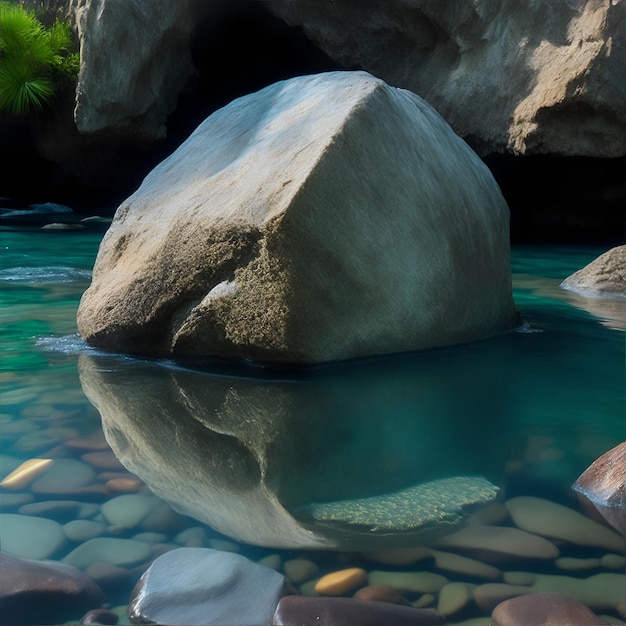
{"x":604,"y":276}
{"x":269,"y":462}
{"x":323,"y":218}
{"x":531,"y":78}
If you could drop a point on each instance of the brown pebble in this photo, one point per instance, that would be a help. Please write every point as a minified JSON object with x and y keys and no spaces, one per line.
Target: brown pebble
{"x":537,"y":609}
{"x":123,"y":485}
{"x":381,"y":593}
{"x":102,"y":460}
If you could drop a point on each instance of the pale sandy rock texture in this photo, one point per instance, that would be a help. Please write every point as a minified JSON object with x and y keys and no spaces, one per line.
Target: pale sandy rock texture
{"x":322,"y":218}
{"x":605,"y":275}
{"x":531,"y":78}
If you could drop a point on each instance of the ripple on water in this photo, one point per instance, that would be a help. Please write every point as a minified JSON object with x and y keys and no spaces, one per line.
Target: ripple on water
{"x":45,"y":274}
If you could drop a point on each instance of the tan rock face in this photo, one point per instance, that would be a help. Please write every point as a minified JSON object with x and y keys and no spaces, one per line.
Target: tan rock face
{"x":540,"y":78}
{"x":605,"y":275}
{"x":325,"y":217}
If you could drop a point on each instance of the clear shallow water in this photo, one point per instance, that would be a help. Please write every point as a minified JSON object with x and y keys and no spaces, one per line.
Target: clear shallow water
{"x":249,"y":456}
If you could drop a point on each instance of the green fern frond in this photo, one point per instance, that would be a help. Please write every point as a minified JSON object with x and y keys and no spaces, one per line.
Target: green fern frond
{"x":20,"y":92}
{"x":33,"y":59}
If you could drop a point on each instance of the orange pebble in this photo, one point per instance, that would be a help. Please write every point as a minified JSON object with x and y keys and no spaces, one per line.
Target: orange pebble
{"x":123,"y":485}
{"x":340,"y":582}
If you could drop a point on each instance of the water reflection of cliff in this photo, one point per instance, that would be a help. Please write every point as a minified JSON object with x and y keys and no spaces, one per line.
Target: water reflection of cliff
{"x":259,"y":459}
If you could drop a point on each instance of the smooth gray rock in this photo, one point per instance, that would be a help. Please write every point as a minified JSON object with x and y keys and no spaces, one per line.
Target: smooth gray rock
{"x":322,"y":218}
{"x":203,"y":586}
{"x":135,"y":59}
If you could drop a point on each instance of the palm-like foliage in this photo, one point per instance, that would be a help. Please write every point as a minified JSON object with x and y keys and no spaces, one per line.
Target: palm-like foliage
{"x":33,"y":59}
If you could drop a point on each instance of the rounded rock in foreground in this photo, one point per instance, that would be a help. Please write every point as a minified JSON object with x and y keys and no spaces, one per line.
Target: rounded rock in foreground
{"x":541,"y":609}
{"x":349,"y":612}
{"x":34,"y":592}
{"x":204,"y":586}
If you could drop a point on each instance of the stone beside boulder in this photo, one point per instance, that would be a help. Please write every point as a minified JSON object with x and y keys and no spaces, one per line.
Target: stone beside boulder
{"x":322,"y":218}
{"x":204,"y":586}
{"x":604,"y":276}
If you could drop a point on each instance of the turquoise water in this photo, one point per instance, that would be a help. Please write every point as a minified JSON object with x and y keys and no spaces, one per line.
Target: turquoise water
{"x":251,"y":459}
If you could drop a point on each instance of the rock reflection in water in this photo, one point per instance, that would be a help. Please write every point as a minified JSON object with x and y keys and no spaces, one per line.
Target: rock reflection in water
{"x":263,"y":459}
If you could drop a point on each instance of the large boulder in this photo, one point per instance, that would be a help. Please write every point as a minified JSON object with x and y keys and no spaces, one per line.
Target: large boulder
{"x":530,"y":78}
{"x":325,"y":217}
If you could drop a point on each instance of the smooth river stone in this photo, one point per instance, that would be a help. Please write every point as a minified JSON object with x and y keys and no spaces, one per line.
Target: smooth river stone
{"x":573,"y":564}
{"x":81,"y":530}
{"x":414,"y":582}
{"x":539,"y":609}
{"x":341,"y":582}
{"x":601,"y":592}
{"x":66,"y":476}
{"x":41,"y":439}
{"x":31,"y":537}
{"x":381,"y":593}
{"x":34,"y":592}
{"x":303,"y":611}
{"x":464,"y":566}
{"x":60,"y":510}
{"x":556,"y":521}
{"x":129,"y":510}
{"x":203,"y":586}
{"x":501,"y":542}
{"x":102,"y":460}
{"x":123,"y":552}
{"x":489,"y":595}
{"x":23,"y":475}
{"x":300,"y":570}
{"x":453,"y":598}
{"x":14,"y":500}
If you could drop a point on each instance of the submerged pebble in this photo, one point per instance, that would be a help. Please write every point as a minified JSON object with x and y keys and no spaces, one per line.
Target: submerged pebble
{"x":31,"y":537}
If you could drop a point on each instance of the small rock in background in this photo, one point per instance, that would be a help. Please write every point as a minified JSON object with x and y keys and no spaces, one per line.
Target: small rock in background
{"x":350,"y":612}
{"x":500,"y":542}
{"x":556,"y":521}
{"x":122,"y":552}
{"x":300,"y":570}
{"x":33,"y":592}
{"x":541,"y":609}
{"x":204,"y":586}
